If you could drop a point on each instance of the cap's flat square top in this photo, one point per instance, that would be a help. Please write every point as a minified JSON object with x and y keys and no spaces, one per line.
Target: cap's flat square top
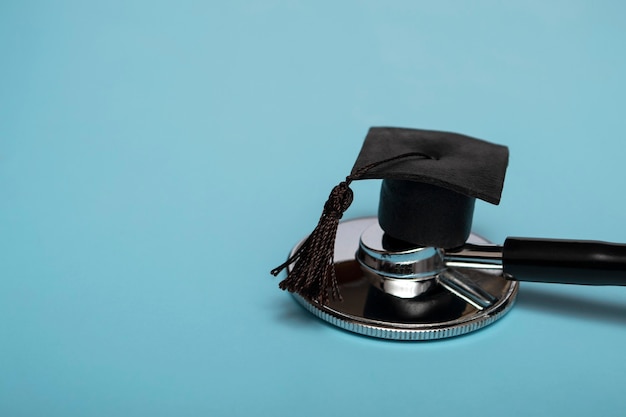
{"x":457,"y":162}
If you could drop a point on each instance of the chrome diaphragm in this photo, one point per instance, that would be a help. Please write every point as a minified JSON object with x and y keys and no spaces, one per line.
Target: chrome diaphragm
{"x":392,"y":290}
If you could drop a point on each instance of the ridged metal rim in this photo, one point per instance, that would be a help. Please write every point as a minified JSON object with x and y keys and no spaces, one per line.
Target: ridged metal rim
{"x":393,"y":331}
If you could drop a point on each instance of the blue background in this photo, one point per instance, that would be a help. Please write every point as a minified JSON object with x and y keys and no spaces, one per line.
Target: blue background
{"x":157,"y":159}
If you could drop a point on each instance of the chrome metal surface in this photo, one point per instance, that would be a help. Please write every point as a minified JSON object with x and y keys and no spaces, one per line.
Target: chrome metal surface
{"x":457,"y":283}
{"x":407,"y":272}
{"x":463,"y":301}
{"x":401,"y":288}
{"x":404,"y":273}
{"x":421,"y":262}
{"x":475,"y":256}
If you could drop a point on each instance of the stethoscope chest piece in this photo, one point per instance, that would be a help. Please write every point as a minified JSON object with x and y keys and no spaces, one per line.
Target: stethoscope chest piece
{"x":409,"y":293}
{"x":416,"y":272}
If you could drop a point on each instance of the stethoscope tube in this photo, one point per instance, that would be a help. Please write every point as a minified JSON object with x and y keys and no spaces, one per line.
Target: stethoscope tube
{"x":564,"y":261}
{"x":547,"y":260}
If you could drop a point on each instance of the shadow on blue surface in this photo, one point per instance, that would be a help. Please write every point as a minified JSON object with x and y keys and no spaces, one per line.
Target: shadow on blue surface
{"x":289,"y":311}
{"x":572,"y":306}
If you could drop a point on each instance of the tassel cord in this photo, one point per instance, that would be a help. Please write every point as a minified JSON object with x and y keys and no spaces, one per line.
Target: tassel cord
{"x":313,"y":274}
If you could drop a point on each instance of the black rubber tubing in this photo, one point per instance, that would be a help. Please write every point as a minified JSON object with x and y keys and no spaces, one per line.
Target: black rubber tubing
{"x":564,"y":261}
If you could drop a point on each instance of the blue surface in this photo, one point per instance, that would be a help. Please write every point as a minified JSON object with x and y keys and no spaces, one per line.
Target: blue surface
{"x":157,"y":159}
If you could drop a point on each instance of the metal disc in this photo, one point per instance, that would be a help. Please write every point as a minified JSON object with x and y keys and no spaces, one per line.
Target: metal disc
{"x":368,"y":311}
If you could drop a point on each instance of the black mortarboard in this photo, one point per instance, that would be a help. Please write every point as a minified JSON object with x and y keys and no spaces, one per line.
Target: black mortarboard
{"x":430,"y":182}
{"x":428,"y":200}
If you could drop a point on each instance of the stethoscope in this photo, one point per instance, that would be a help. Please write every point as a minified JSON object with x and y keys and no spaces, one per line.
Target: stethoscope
{"x":416,"y":272}
{"x":392,"y":290}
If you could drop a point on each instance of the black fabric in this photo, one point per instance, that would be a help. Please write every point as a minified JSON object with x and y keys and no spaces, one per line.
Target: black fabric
{"x":460,"y":163}
{"x":424,"y":214}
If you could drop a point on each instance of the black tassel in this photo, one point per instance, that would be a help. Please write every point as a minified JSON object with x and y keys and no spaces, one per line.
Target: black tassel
{"x":313,"y":275}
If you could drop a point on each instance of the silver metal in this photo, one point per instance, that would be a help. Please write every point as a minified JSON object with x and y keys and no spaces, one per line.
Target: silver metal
{"x":457,"y":283}
{"x":420,"y":262}
{"x":403,"y":273}
{"x":457,"y":300}
{"x":475,"y":256}
{"x":409,"y":272}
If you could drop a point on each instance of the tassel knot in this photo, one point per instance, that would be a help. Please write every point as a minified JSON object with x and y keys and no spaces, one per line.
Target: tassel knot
{"x":339,"y":200}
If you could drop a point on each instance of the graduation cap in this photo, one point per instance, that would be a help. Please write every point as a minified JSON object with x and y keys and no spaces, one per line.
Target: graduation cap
{"x":430,"y":182}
